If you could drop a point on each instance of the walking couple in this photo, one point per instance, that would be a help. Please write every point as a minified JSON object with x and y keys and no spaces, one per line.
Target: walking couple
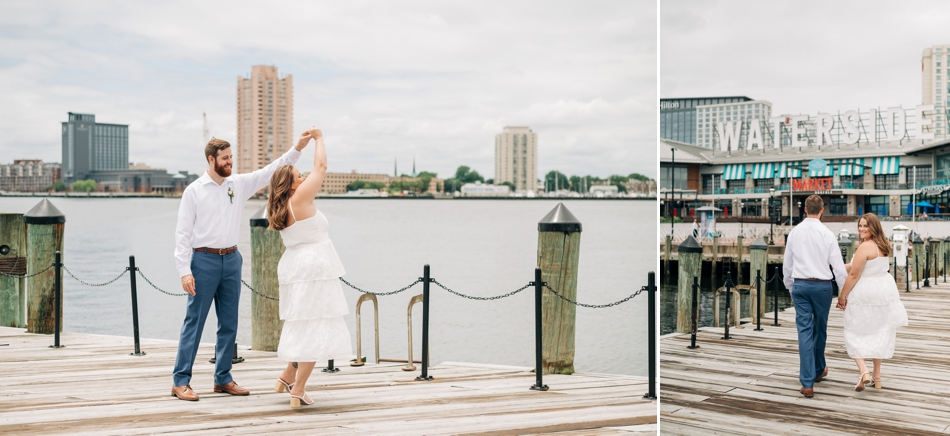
{"x":869,"y":296}
{"x":312,"y":304}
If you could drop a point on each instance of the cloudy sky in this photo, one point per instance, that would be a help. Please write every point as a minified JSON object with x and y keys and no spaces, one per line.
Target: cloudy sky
{"x":803,"y":56}
{"x":385,"y":80}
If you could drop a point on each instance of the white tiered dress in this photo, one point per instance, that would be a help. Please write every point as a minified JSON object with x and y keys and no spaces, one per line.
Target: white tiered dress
{"x":873,"y":313}
{"x":312,"y":304}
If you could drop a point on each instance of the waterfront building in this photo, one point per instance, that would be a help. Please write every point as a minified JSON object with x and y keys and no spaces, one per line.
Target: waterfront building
{"x":265,"y":112}
{"x":141,"y":178}
{"x":516,"y":158}
{"x":29,"y":175}
{"x":935,"y":85}
{"x":336,"y":183}
{"x":90,"y":146}
{"x":709,"y":121}
{"x":855,"y":160}
{"x":478,"y":189}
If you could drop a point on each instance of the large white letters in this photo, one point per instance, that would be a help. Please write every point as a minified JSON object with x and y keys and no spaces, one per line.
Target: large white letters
{"x":776,"y":123}
{"x":895,"y":123}
{"x":823,"y":125}
{"x":924,"y":121}
{"x":799,"y":138}
{"x":851,"y":133}
{"x":729,"y":135}
{"x":871,"y":127}
{"x":755,"y":135}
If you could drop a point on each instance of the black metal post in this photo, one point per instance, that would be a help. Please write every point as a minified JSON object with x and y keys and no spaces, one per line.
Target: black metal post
{"x":927,"y":251}
{"x":758,"y":300}
{"x":135,"y":309}
{"x":539,"y":384}
{"x":235,"y":359}
{"x":57,"y":298}
{"x":330,"y":368}
{"x":651,"y":330}
{"x":728,"y":285}
{"x":895,"y":267}
{"x":425,"y":325}
{"x":775,"y":294}
{"x":695,"y":314}
{"x":945,"y":267}
{"x":916,"y":271}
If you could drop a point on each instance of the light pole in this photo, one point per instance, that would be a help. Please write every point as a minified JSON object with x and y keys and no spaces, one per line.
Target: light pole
{"x":669,"y":205}
{"x":771,"y":219}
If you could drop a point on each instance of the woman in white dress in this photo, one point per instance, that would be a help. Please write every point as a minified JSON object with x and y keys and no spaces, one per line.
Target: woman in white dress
{"x":871,"y":302}
{"x":312,"y":304}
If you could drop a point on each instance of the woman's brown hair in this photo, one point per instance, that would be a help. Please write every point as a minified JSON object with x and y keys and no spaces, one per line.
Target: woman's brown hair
{"x":877,"y":233}
{"x":281,"y":187}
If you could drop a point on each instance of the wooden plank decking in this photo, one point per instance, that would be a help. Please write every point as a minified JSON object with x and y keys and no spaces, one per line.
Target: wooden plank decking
{"x":93,"y":386}
{"x":749,"y":385}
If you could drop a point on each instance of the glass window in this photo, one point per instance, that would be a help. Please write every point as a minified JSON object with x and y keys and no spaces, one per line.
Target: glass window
{"x":838,"y":206}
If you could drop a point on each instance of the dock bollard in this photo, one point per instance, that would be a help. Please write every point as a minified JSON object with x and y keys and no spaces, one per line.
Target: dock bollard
{"x":918,"y":248}
{"x":651,"y":330}
{"x":58,"y":299}
{"x":135,"y":308}
{"x":44,"y":237}
{"x":690,"y":254}
{"x":694,"y":315}
{"x":539,"y":383}
{"x":267,"y":248}
{"x":425,"y":325}
{"x":775,"y":294}
{"x":330,"y":368}
{"x":759,"y":263}
{"x":758,"y":293}
{"x":906,"y":274}
{"x":927,"y":253}
{"x":728,"y":285}
{"x":559,"y":246}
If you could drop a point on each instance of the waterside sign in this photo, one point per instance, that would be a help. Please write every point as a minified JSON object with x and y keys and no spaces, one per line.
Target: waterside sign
{"x":847,"y":128}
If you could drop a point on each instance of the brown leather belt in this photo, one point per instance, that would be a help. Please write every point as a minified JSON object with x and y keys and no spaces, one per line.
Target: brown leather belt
{"x":812,"y":279}
{"x":220,"y":251}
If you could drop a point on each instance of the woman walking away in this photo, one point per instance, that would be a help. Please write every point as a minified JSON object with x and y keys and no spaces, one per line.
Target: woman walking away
{"x":312,"y":304}
{"x":871,"y":302}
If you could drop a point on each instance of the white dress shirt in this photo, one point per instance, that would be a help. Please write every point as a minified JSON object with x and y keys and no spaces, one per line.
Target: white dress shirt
{"x":809,"y":249}
{"x":209,"y":217}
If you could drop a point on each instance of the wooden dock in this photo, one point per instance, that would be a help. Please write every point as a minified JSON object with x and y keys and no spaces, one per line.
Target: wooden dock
{"x":749,"y":385}
{"x":93,"y":386}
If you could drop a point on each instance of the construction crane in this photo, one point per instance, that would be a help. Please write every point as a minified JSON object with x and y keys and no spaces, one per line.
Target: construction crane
{"x":205,"y":116}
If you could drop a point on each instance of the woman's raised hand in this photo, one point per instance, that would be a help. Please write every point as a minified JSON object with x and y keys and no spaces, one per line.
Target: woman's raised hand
{"x":315,"y":133}
{"x":304,"y":140}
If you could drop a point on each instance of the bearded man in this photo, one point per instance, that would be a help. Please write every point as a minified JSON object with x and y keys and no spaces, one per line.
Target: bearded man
{"x":208,"y":261}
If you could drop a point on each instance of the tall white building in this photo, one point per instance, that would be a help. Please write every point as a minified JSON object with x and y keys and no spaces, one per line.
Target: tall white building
{"x":516,"y":158}
{"x":744,"y":120}
{"x":935,"y":85}
{"x":265,"y":116}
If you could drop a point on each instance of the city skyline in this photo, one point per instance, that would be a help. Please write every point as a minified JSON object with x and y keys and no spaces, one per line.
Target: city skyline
{"x":432,"y":80}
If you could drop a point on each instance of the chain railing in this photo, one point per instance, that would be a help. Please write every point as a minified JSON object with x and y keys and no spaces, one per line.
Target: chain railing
{"x":596,"y":306}
{"x":381,"y":294}
{"x":94,"y":284}
{"x":156,"y":287}
{"x":481,"y":298}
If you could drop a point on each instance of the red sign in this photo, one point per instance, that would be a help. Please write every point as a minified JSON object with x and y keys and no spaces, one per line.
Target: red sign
{"x":812,"y":184}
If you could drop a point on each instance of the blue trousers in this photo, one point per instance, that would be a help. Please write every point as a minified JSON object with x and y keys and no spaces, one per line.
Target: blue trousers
{"x":812,"y":304}
{"x":218,"y":280}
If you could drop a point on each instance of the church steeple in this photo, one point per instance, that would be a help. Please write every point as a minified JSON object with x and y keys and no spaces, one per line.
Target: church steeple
{"x":395,"y":167}
{"x":414,"y":167}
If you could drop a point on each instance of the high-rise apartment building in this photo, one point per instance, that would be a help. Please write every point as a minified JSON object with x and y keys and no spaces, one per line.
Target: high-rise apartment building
{"x":694,"y":120}
{"x":265,"y":113}
{"x":516,"y":158}
{"x":935,"y":85}
{"x":90,"y":146}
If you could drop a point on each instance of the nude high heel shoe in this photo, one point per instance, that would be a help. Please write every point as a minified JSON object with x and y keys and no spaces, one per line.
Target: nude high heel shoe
{"x":295,"y":400}
{"x":877,"y":383}
{"x":282,"y":385}
{"x":864,"y":380}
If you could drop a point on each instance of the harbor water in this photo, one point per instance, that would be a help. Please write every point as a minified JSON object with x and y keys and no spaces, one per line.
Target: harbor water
{"x":482,"y":248}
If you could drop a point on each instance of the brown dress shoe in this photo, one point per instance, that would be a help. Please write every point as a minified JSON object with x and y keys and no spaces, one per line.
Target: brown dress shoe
{"x":231,"y":388}
{"x":184,"y":393}
{"x":807,"y":392}
{"x":822,"y":375}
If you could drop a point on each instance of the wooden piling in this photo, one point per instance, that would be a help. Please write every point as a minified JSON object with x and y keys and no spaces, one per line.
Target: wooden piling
{"x":739,"y":239}
{"x":12,"y":261}
{"x":266,"y":251}
{"x":667,"y":254}
{"x":690,"y":254}
{"x":758,"y":261}
{"x":44,"y":237}
{"x":918,"y":260}
{"x":559,"y":239}
{"x":715,"y":256}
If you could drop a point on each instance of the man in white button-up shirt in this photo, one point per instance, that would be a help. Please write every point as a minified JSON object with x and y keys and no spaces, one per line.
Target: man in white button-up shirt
{"x":809,"y":251}
{"x":208,"y":261}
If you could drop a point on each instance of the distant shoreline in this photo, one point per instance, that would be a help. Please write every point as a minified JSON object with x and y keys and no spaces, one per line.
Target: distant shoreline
{"x":330,"y":197}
